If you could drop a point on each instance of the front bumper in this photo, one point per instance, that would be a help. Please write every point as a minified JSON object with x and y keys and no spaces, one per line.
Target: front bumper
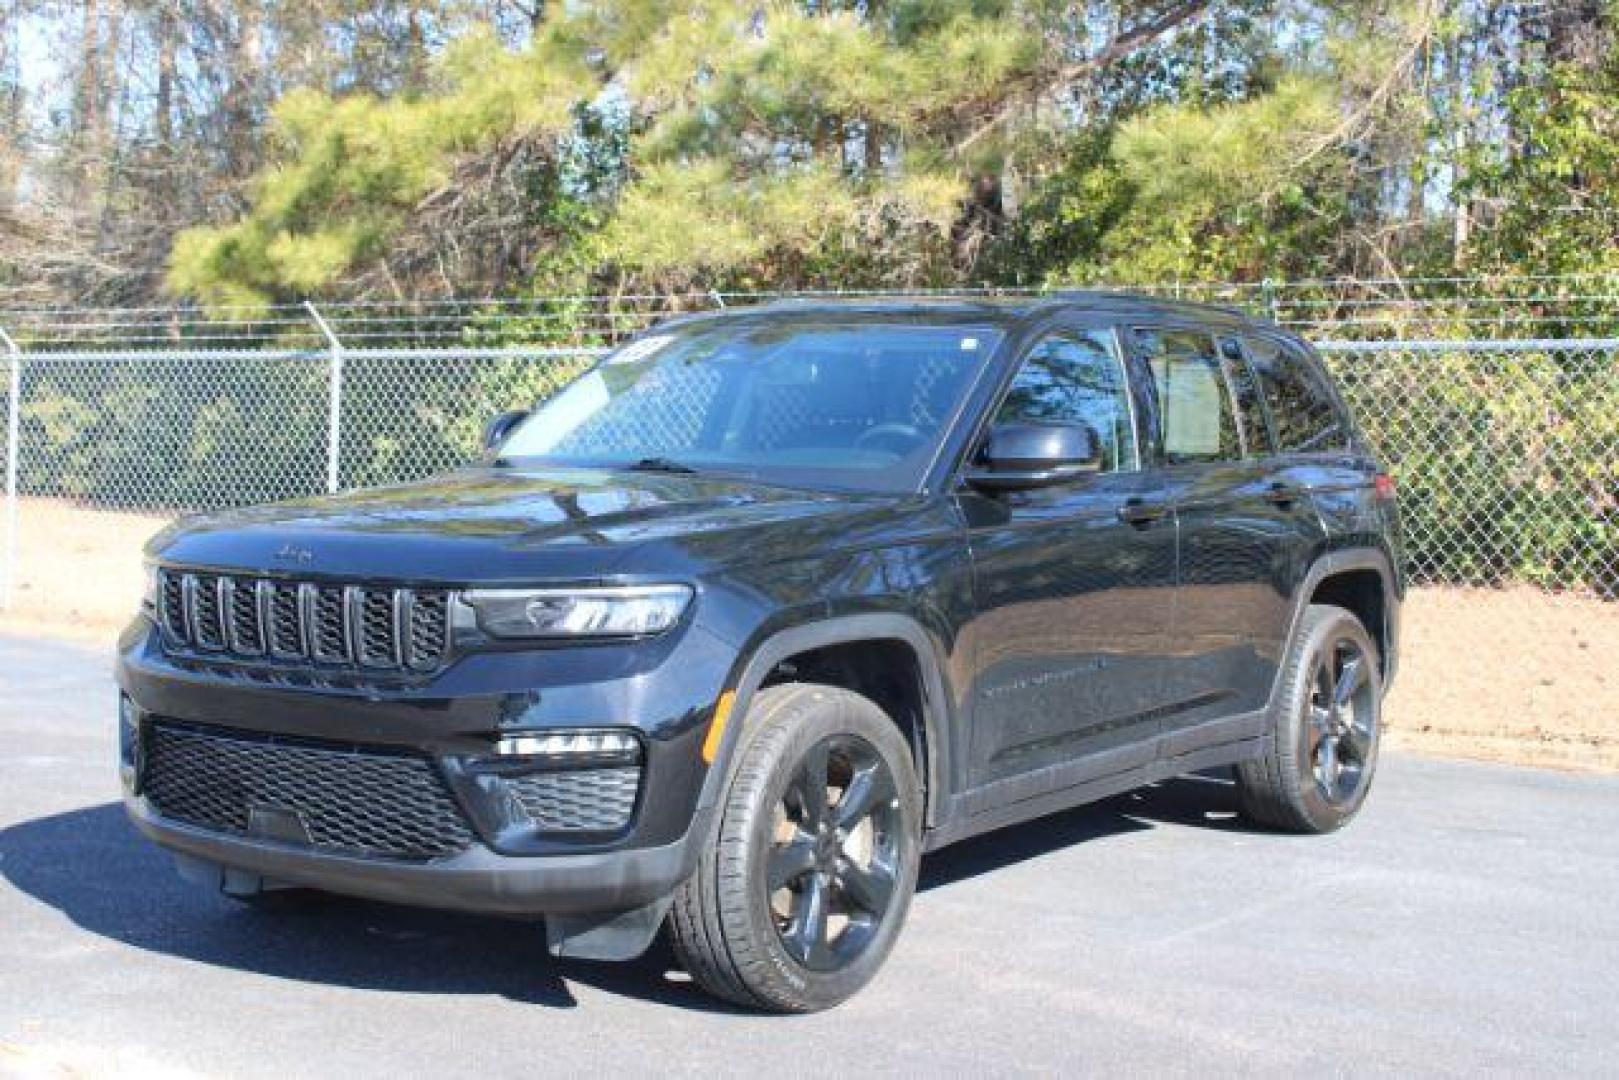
{"x":665,"y":693}
{"x":478,"y":879}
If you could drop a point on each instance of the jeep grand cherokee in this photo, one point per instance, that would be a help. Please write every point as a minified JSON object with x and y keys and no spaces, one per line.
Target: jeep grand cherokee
{"x":725,"y":635}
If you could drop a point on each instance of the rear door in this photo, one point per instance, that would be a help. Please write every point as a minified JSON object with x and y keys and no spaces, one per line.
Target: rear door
{"x":1072,"y":584}
{"x":1248,"y":532}
{"x":1317,"y":450}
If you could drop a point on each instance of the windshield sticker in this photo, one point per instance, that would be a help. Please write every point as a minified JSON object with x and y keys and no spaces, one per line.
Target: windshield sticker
{"x":637,"y":351}
{"x":969,"y":344}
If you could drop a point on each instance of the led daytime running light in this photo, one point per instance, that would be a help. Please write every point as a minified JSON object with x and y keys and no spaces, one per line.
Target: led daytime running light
{"x":572,"y":745}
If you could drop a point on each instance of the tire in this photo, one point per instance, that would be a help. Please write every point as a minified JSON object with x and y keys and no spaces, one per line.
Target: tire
{"x":1321,"y":751}
{"x":766,"y":948}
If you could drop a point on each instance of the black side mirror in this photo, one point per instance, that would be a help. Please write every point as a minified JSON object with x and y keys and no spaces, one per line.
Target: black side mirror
{"x":495,"y":432}
{"x":1016,"y":457}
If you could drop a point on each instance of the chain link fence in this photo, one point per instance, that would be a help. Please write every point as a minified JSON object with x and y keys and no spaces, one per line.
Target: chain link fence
{"x":1506,"y":450}
{"x":1496,"y":405}
{"x":1506,"y":453}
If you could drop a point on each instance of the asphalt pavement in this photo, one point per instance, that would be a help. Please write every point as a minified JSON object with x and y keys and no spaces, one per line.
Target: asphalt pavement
{"x":1467,"y":923}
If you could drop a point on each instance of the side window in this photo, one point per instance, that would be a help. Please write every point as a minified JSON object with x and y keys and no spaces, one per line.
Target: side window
{"x":1245,"y":392}
{"x":1301,"y":410}
{"x":1076,"y":377}
{"x":1195,"y":419}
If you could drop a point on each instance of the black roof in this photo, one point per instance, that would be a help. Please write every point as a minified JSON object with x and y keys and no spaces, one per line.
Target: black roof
{"x":995,"y":310}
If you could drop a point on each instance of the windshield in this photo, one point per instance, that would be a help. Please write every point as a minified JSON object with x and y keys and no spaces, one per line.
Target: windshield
{"x":843,"y":406}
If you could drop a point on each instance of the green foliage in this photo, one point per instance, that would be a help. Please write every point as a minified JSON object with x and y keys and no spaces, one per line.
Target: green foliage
{"x":1236,"y":192}
{"x":1557,"y":199}
{"x":348,"y":172}
{"x":255,"y":431}
{"x":760,"y":144}
{"x":405,"y":419}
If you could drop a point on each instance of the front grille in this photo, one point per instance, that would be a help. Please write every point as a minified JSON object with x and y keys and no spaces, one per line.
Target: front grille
{"x":206,"y":628}
{"x":285,"y":622}
{"x":246,"y":631}
{"x":345,"y":800}
{"x":328,"y":624}
{"x":238,"y":616}
{"x":579,"y":800}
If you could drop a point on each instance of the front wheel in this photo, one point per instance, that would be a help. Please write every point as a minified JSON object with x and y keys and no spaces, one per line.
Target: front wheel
{"x":1325,"y":729}
{"x":798,"y":901}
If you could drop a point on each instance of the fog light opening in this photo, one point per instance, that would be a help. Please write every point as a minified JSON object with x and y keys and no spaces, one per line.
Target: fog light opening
{"x":129,"y":741}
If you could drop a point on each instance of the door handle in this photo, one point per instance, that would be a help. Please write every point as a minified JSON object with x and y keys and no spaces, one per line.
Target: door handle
{"x":1283,"y":495}
{"x":1141,"y":512}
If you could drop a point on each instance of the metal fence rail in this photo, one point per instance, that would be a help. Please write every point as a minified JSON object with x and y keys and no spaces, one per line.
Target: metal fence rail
{"x":1351,"y":310}
{"x":1506,"y":450}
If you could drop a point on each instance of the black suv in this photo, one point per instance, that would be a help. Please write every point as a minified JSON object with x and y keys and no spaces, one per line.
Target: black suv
{"x":767,"y":603}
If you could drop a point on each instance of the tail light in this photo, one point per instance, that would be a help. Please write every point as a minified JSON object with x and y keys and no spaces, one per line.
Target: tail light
{"x":1383,"y":487}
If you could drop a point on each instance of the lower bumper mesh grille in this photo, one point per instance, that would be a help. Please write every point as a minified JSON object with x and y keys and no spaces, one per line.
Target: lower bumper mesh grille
{"x":344,"y":800}
{"x":581,"y":800}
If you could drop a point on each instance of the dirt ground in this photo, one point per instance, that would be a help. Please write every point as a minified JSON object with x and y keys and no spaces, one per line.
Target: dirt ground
{"x":1510,"y":675}
{"x":78,"y":571}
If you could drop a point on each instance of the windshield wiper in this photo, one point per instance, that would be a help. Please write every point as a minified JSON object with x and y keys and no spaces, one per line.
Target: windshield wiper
{"x":660,"y":464}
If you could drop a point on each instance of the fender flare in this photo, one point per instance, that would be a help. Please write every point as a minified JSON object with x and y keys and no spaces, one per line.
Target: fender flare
{"x":847,"y":629}
{"x":1338,"y":562}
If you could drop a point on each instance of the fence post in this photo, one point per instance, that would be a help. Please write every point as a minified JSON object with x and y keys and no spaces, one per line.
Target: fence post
{"x":334,"y":399}
{"x":1267,"y":289}
{"x":13,"y":451}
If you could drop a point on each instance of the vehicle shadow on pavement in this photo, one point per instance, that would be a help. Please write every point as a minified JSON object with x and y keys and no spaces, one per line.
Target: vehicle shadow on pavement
{"x":91,"y":866}
{"x":1203,"y":800}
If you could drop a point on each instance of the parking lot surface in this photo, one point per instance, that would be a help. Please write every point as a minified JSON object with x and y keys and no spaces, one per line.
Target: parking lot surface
{"x":1467,"y":922}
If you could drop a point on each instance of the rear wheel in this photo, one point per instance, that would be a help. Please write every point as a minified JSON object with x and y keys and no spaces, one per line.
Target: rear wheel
{"x":797,"y":903}
{"x":1325,"y":729}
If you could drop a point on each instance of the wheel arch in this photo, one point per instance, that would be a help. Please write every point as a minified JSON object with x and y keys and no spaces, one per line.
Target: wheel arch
{"x":929,"y":733}
{"x":1342,"y":578}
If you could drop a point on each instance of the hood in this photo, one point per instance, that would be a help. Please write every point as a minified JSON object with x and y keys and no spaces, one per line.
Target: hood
{"x":492,"y":525}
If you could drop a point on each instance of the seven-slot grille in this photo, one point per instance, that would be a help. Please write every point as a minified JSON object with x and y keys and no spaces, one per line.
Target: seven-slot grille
{"x":340,"y":625}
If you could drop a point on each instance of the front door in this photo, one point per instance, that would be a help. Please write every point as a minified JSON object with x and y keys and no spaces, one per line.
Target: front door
{"x":1072,"y":584}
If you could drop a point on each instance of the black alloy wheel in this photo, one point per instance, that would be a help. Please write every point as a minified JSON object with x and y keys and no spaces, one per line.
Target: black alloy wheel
{"x":834,"y":864}
{"x":1340,"y":739}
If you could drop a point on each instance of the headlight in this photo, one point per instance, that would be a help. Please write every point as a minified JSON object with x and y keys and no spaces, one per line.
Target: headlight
{"x":628,"y":611}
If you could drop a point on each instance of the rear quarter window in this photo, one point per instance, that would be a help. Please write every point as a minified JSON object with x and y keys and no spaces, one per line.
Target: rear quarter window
{"x":1303,"y":414}
{"x":1196,"y":422}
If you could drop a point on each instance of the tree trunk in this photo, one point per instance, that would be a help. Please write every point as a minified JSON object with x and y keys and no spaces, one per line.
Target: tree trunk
{"x":87,"y":97}
{"x":1461,"y":71}
{"x":241,"y":127}
{"x":167,"y":30}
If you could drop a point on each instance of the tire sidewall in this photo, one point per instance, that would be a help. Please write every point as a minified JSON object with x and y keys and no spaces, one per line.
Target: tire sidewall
{"x":1323,"y":629}
{"x":835,"y":713}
